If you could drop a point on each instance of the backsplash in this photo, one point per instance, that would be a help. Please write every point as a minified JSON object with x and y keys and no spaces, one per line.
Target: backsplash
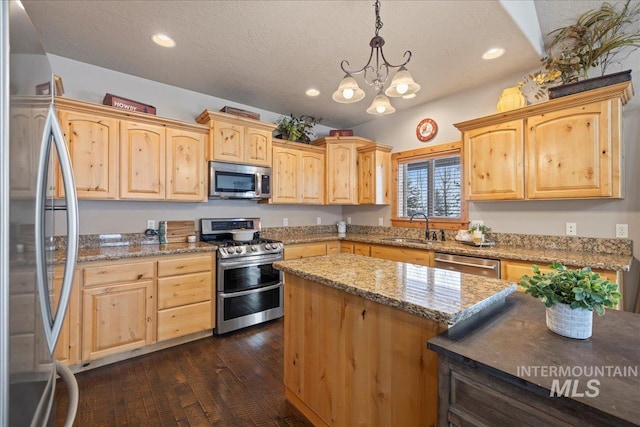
{"x":578,"y":244}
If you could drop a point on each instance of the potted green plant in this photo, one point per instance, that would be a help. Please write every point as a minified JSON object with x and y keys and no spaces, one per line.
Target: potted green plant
{"x":571,"y":297}
{"x":598,"y":38}
{"x":296,"y":128}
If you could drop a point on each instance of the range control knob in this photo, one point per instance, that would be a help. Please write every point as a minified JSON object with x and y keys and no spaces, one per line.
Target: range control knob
{"x":231,"y":250}
{"x":223,"y":251}
{"x":240,"y":250}
{"x":267,"y":246}
{"x":254,"y":248}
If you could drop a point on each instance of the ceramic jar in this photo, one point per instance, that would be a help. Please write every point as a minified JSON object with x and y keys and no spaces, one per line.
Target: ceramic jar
{"x":511,"y":99}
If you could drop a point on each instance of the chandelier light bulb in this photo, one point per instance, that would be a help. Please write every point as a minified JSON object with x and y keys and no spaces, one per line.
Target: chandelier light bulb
{"x":402,"y":88}
{"x":381,"y":105}
{"x":347,"y":93}
{"x":380,"y":109}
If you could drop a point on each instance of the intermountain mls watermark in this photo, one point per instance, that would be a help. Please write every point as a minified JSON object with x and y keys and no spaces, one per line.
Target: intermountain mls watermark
{"x":576,"y":381}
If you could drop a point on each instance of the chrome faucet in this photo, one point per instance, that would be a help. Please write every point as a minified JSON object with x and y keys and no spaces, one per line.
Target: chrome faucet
{"x":426,"y":223}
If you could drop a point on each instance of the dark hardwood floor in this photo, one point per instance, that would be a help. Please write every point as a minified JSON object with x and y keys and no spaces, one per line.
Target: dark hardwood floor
{"x":233,"y":380}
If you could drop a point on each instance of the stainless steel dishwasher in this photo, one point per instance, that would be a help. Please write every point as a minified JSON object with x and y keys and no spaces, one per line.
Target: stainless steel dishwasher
{"x":467,"y":264}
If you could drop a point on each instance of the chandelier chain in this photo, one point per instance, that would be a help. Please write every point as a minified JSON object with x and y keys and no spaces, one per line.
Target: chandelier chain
{"x":378,"y":20}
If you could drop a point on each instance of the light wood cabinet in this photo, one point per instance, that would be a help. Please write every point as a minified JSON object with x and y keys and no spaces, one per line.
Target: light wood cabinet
{"x":27,"y":126}
{"x":566,"y":148}
{"x":185,"y":286}
{"x":346,"y":247}
{"x":127,"y":155}
{"x":118,"y":308}
{"x":493,"y":162}
{"x":237,"y":139}
{"x":362,"y":249}
{"x":142,"y":161}
{"x":92,"y":141}
{"x":400,"y":254}
{"x":68,"y":347}
{"x":350,"y":361}
{"x":341,"y":168}
{"x":374,"y":175}
{"x":575,"y":152}
{"x":298,"y":173}
{"x":186,"y":173}
{"x":306,"y":250}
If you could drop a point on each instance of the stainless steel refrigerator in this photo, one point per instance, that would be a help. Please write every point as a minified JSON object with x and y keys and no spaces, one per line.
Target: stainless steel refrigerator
{"x":34,"y":167}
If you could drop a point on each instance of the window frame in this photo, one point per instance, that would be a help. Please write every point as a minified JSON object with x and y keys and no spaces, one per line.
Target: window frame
{"x":428,"y":153}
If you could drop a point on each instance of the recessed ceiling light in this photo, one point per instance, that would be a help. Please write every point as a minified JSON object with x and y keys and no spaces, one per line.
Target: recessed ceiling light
{"x":493,"y":53}
{"x":411,"y":95}
{"x":163,"y":40}
{"x":312,"y":92}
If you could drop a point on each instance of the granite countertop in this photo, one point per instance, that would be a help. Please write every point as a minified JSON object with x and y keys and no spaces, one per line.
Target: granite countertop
{"x":109,"y":253}
{"x":440,"y":295}
{"x":515,"y":336}
{"x":543,"y":256}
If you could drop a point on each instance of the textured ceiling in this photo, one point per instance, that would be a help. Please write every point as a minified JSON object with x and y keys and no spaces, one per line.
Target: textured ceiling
{"x":267,"y":53}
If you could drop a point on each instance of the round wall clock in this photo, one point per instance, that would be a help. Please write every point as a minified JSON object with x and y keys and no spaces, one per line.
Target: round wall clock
{"x":426,"y":130}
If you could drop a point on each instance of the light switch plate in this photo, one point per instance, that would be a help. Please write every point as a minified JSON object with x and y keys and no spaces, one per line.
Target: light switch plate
{"x":380,"y":221}
{"x":285,"y":221}
{"x":319,"y":220}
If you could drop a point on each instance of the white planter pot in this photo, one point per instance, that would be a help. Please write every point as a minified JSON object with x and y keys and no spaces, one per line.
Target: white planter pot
{"x":568,"y":322}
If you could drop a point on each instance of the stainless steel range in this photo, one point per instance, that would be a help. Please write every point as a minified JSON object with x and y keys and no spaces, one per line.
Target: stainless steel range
{"x":248,"y":289}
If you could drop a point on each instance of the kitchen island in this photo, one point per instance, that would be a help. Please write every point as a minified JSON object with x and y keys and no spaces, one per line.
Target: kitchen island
{"x":356,"y":330}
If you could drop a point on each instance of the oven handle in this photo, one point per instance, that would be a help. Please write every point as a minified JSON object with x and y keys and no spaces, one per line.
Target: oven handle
{"x":252,"y":291}
{"x":243,"y":262}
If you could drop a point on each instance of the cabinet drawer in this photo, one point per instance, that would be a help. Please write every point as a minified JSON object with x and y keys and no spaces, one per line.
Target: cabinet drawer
{"x":184,"y":289}
{"x":115,"y":273}
{"x":413,"y":256}
{"x":171,"y":267}
{"x":176,"y":322}
{"x":362,"y":249}
{"x":305,"y":250}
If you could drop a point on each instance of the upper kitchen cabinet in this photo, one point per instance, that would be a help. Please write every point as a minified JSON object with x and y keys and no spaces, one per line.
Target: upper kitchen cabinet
{"x":119,"y":154}
{"x":298,"y":173}
{"x":342,"y":167}
{"x":566,"y":148}
{"x":374,"y":175}
{"x":92,"y":141}
{"x":237,"y":139}
{"x":493,"y":162}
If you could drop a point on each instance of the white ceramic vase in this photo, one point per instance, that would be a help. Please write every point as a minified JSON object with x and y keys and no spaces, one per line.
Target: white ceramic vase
{"x":568,"y":322}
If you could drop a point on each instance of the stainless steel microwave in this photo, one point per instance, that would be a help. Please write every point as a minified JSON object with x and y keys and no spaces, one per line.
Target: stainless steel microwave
{"x":235,"y":181}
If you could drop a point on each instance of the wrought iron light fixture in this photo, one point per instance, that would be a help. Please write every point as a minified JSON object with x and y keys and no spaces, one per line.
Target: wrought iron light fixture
{"x":402,"y":84}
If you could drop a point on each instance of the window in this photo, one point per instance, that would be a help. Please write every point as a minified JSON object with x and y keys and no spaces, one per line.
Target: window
{"x":430,"y":181}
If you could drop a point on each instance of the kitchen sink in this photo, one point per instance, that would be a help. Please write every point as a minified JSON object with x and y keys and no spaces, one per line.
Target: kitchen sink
{"x":405,"y":240}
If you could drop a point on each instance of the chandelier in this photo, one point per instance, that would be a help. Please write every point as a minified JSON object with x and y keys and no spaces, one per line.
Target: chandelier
{"x":402,"y":84}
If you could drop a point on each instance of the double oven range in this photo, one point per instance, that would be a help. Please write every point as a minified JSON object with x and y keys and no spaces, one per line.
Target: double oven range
{"x":248,"y":289}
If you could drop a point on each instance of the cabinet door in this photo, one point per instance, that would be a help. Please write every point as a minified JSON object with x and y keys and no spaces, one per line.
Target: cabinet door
{"x":257,"y":147}
{"x":311,"y":178}
{"x":305,"y":250}
{"x":92,"y":143}
{"x":362,"y":249}
{"x":285,"y":175}
{"x":346,"y":247}
{"x":142,"y":161}
{"x":68,"y":347}
{"x":27,"y":125}
{"x":228,"y":142}
{"x":374,"y":175}
{"x":117,"y":318}
{"x":570,"y":153}
{"x":493,"y":162}
{"x":413,"y":256}
{"x":185,"y":175}
{"x":341,"y":174}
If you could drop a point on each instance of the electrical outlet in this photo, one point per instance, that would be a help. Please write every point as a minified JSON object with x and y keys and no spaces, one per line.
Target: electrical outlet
{"x":285,"y":221}
{"x":319,"y":220}
{"x":348,"y":220}
{"x":571,"y":229}
{"x":151,"y":224}
{"x":622,"y":230}
{"x":380,"y":221}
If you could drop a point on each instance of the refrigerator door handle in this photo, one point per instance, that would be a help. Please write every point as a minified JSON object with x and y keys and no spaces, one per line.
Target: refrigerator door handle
{"x":53,"y":136}
{"x":72,"y":392}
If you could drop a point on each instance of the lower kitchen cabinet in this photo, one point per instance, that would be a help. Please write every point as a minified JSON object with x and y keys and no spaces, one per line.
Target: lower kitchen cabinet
{"x":185,"y":285}
{"x":118,"y":307}
{"x":395,"y":253}
{"x":305,"y":250}
{"x":68,"y":347}
{"x":117,"y":318}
